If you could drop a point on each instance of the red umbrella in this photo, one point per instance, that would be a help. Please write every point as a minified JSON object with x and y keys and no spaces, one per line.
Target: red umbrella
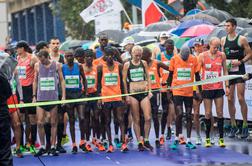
{"x":198,"y":30}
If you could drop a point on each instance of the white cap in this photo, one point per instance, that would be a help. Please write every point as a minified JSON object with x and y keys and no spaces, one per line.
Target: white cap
{"x":164,"y":34}
{"x":127,"y":40}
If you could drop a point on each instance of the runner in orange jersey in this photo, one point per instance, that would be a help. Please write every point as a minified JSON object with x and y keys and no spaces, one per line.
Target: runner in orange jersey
{"x":183,"y":68}
{"x":110,"y":84}
{"x":90,"y":71}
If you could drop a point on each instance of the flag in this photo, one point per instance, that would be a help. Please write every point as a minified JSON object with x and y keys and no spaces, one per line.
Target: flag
{"x":151,"y":13}
{"x":100,"y":7}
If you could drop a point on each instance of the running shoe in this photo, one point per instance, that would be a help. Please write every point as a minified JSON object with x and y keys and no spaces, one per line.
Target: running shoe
{"x":94,"y":141}
{"x":110,"y":149}
{"x":212,"y":140}
{"x":221,"y":143}
{"x":60,"y":149}
{"x":41,"y":152}
{"x":189,"y":145}
{"x":161,"y":140}
{"x":198,"y":141}
{"x":117,"y":143}
{"x":244,"y":132}
{"x":100,"y":147}
{"x":74,"y":150}
{"x":105,"y":144}
{"x":208,"y":143}
{"x":88,"y":148}
{"x":37,"y":145}
{"x":83,"y":147}
{"x":233,"y":132}
{"x":19,"y":153}
{"x":32,"y":149}
{"x":157,"y":143}
{"x":140,"y":147}
{"x":175,"y":144}
{"x":182,"y":141}
{"x":124,"y":148}
{"x":65,"y":140}
{"x":147,"y":145}
{"x":22,"y":148}
{"x":53,"y":152}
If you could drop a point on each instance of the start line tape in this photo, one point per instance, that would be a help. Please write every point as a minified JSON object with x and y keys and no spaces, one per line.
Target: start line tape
{"x":207,"y":81}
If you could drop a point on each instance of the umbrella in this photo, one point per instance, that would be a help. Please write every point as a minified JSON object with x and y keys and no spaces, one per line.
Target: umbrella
{"x":133,"y":31}
{"x":179,"y":41}
{"x":198,"y":30}
{"x":201,"y":16}
{"x":190,"y":42}
{"x":143,"y":40}
{"x":156,"y":28}
{"x":192,"y":12}
{"x":219,"y":14}
{"x":247,"y":32}
{"x":187,"y":24}
{"x":220,"y":32}
{"x":241,"y":22}
{"x":114,"y":35}
{"x":72,"y":44}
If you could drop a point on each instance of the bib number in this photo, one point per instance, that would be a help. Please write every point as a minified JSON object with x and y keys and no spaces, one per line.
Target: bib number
{"x":72,"y":81}
{"x":111,"y":79}
{"x":184,"y":74}
{"x":137,"y":74}
{"x":90,"y":81}
{"x":21,"y":72}
{"x":47,"y":84}
{"x":211,"y":74}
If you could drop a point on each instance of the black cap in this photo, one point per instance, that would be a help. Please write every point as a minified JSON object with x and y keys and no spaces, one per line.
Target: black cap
{"x":40,"y":45}
{"x":23,"y":44}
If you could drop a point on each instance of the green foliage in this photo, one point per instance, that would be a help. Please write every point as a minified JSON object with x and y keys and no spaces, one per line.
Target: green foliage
{"x":236,"y":8}
{"x":70,"y":14}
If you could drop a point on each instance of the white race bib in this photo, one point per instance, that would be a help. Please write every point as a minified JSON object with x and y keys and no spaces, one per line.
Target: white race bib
{"x":211,"y":74}
{"x":72,"y":81}
{"x":21,"y":72}
{"x":90,"y":81}
{"x":184,"y":74}
{"x":47,"y":84}
{"x":111,"y":79}
{"x":137,"y":74}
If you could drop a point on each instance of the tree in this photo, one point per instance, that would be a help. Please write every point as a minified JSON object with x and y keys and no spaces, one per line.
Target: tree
{"x":70,"y":14}
{"x":234,"y":7}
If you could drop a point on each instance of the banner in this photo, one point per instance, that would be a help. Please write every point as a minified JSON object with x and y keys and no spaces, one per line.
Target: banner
{"x":151,"y":12}
{"x":99,"y":8}
{"x":109,"y":21}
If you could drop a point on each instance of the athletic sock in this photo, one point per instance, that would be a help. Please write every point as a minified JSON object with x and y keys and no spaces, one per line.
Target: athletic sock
{"x":220,"y":126}
{"x":208,"y":127}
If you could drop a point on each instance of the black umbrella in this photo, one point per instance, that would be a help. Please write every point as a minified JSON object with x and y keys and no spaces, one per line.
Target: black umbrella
{"x":220,"y":32}
{"x":159,"y":26}
{"x":219,"y":14}
{"x":202,"y":16}
{"x":241,"y":22}
{"x":114,"y":35}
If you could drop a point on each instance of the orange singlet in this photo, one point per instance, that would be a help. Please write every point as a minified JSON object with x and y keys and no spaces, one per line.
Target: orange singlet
{"x":111,"y":83}
{"x":91,"y":77}
{"x":183,"y":73}
{"x":212,"y":68}
{"x":25,"y":71}
{"x":154,"y":76}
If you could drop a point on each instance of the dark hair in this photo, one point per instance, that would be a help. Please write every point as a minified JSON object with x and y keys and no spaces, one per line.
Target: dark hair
{"x":54,"y":38}
{"x":109,"y":50}
{"x":89,"y":52}
{"x":232,"y":21}
{"x":43,"y":53}
{"x":169,"y":41}
{"x":40,"y":45}
{"x":25,"y":45}
{"x":103,"y":36}
{"x":146,"y":50}
{"x":79,"y":52}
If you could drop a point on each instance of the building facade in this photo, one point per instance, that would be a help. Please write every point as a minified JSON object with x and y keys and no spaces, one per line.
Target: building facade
{"x":34,"y":21}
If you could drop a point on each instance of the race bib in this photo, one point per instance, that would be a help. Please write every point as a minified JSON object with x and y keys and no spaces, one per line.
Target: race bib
{"x":137,"y":74}
{"x":21,"y":72}
{"x":168,"y":64}
{"x":211,"y":74}
{"x":90,"y":81}
{"x":184,"y":74}
{"x":208,"y":66}
{"x":72,"y":81}
{"x":47,"y":84}
{"x":152,"y":77}
{"x":230,"y":67}
{"x":111,"y":79}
